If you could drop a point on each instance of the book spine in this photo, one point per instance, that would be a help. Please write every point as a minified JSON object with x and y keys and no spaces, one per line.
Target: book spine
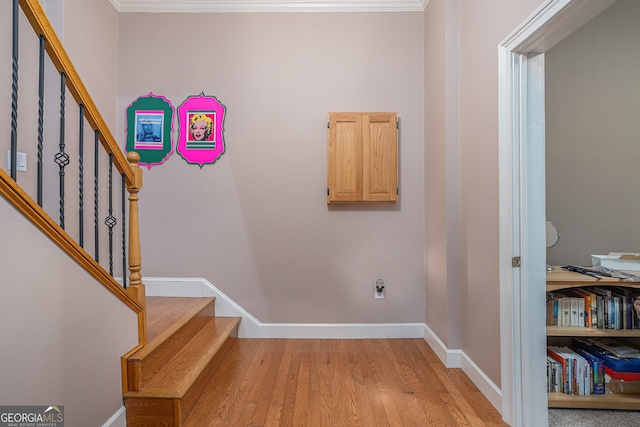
{"x":612,"y":313}
{"x":583,"y":317}
{"x":596,"y":371}
{"x":594,"y":311}
{"x":549,"y":309}
{"x":598,"y":377}
{"x":575,"y":312}
{"x":602,"y":315}
{"x":566,"y":312}
{"x":626,"y":304}
{"x":608,"y":308}
{"x":588,"y":313}
{"x":562,"y":380}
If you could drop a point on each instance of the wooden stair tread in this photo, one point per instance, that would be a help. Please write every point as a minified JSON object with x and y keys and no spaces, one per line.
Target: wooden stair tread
{"x":186,"y":345}
{"x":185,"y":366}
{"x":165,"y":315}
{"x":184,"y":316}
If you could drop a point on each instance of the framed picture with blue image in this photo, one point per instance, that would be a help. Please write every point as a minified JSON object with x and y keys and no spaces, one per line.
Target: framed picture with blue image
{"x":150,"y":129}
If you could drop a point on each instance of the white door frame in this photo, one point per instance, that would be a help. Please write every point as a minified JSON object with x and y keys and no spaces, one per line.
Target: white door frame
{"x":522,"y":204}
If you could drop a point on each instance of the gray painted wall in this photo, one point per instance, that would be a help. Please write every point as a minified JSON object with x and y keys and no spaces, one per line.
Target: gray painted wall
{"x":593,"y":137}
{"x":63,"y":332}
{"x":256,"y":223}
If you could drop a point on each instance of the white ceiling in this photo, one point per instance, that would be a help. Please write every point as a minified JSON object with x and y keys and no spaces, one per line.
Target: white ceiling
{"x":269,"y":5}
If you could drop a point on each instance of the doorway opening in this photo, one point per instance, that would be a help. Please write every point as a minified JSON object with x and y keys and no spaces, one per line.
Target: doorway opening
{"x":522,"y":204}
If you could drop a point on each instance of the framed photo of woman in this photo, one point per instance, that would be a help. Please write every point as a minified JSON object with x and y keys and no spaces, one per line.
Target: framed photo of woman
{"x":200,"y":138}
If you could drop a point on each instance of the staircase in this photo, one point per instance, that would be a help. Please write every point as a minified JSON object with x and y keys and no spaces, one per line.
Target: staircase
{"x":186,"y":344}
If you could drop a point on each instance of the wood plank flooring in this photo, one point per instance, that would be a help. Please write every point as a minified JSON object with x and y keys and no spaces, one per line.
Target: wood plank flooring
{"x":312,"y":382}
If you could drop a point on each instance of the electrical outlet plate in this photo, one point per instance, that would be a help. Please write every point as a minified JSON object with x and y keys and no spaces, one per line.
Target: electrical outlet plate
{"x":378,"y":289}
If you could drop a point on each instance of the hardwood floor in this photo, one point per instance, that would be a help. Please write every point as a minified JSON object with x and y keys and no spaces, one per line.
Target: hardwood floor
{"x":312,"y":382}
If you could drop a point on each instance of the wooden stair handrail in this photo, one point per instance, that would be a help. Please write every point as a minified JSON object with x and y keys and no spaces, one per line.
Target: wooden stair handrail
{"x":41,"y":25}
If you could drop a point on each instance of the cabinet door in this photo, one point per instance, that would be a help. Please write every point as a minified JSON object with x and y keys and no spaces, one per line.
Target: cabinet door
{"x":380,"y":157}
{"x":345,"y":158}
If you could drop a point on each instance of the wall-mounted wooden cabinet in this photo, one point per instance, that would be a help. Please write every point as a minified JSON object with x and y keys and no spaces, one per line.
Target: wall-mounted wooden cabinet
{"x":362,"y":157}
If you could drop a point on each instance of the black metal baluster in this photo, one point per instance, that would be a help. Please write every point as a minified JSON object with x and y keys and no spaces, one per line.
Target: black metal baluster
{"x":124,"y":237}
{"x":14,"y":94}
{"x":81,"y":176}
{"x":96,"y":218}
{"x":62,"y":158}
{"x":110,"y":221}
{"x":40,"y":118}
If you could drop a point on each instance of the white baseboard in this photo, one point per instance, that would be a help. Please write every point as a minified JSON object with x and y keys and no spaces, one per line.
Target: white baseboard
{"x":341,"y":330}
{"x":450,"y":358}
{"x":484,"y":384}
{"x":458,"y":359}
{"x":119,"y":419}
{"x":250,"y":327}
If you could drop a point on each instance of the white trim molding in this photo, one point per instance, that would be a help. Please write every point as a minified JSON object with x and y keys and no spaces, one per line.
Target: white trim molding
{"x":250,"y":327}
{"x":487,"y":387}
{"x":342,"y":330}
{"x":118,"y":419}
{"x":458,"y":359}
{"x":450,"y":358}
{"x":221,"y":6}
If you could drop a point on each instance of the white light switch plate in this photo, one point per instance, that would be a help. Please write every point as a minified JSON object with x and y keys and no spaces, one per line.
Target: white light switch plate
{"x":22,"y":161}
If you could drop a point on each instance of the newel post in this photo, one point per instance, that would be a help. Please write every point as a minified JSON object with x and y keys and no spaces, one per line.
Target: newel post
{"x":136,"y":287}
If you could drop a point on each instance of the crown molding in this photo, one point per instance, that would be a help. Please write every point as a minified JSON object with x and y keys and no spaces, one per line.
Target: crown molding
{"x":221,"y":6}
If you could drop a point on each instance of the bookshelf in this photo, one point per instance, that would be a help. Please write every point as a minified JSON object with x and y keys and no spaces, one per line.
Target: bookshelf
{"x":557,"y":280}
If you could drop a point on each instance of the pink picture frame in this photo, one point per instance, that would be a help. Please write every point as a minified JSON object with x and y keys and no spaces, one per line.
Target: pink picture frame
{"x":200,"y":138}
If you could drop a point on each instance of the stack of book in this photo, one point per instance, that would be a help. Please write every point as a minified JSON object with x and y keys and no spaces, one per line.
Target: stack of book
{"x":621,"y":362}
{"x":593,"y":366}
{"x":593,"y":307}
{"x":574,"y":372}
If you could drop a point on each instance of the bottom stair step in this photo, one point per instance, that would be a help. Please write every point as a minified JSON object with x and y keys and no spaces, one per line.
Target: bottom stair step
{"x":167,"y":398}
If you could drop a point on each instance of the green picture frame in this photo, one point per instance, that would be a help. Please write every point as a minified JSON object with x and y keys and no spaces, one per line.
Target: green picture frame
{"x":150,"y":129}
